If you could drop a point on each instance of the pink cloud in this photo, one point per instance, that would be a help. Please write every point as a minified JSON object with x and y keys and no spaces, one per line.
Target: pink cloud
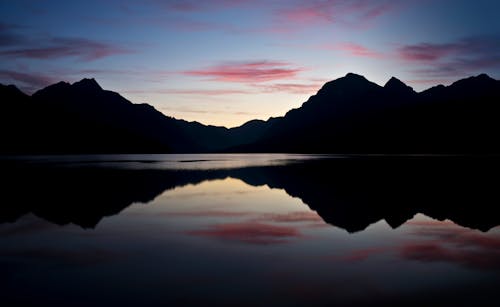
{"x":196,"y":92}
{"x":353,"y":13}
{"x":167,"y":110}
{"x":426,"y":51}
{"x":377,"y":10}
{"x":247,"y":72}
{"x":303,"y":14}
{"x":280,"y":17}
{"x":356,"y":50}
{"x":293,"y":88}
{"x":249,"y":232}
{"x":194,"y":6}
{"x":215,"y":92}
{"x":82,"y":49}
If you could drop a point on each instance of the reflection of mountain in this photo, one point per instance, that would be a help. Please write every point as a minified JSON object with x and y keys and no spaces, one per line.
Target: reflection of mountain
{"x":82,"y":195}
{"x":348,"y":193}
{"x":354,"y":193}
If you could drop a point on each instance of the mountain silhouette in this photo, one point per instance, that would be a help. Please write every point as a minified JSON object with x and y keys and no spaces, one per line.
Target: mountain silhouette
{"x":354,"y":115}
{"x":347,"y":193}
{"x":83,"y":118}
{"x":347,"y":115}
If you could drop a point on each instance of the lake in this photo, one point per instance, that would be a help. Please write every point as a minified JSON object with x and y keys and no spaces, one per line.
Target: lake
{"x":246,"y":230}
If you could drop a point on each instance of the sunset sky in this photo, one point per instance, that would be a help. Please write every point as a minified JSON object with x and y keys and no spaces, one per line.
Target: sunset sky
{"x":224,"y":62}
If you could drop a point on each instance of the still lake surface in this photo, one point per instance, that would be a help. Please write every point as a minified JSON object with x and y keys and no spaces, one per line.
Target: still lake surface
{"x":273,"y":229}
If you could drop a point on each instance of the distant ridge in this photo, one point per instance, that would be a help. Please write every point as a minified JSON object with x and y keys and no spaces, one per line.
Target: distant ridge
{"x":354,"y":115}
{"x":347,"y":115}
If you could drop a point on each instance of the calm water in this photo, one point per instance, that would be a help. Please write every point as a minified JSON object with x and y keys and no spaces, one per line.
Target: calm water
{"x":287,"y":230}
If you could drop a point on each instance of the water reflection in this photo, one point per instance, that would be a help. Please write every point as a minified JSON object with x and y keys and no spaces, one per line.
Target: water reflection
{"x":347,"y":193}
{"x":258,"y":235}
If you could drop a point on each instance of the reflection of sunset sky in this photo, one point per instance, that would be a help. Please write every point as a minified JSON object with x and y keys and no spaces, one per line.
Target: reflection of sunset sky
{"x":226,"y":62}
{"x":259,"y":241}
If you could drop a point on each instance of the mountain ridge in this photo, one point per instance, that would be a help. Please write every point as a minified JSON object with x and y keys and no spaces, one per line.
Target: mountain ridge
{"x":347,"y":115}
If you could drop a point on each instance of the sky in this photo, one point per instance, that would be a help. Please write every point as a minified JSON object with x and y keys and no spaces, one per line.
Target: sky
{"x":224,"y":62}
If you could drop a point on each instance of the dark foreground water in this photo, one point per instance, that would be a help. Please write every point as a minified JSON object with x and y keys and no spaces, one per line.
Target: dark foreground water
{"x":245,"y":230}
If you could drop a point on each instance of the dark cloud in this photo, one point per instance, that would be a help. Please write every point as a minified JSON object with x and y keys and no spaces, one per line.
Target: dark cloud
{"x":8,"y":35}
{"x":80,"y":48}
{"x":30,"y":82}
{"x":15,"y":44}
{"x":465,"y":56}
{"x":286,"y":16}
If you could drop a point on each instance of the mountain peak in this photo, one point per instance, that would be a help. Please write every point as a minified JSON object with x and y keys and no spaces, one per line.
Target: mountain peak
{"x":351,"y":82}
{"x":353,"y":76}
{"x":10,"y":91}
{"x":87,"y":84}
{"x":484,"y":76}
{"x":394,"y":81}
{"x":476,"y":82}
{"x":10,"y":87}
{"x":394,"y":84}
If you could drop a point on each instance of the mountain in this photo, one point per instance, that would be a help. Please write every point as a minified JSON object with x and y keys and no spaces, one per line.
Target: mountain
{"x":347,"y":115}
{"x":83,"y":118}
{"x":354,"y":115}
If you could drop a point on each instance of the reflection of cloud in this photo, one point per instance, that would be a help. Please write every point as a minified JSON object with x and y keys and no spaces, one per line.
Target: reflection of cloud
{"x":289,"y":217}
{"x":363,"y":254}
{"x":297,"y":216}
{"x":208,"y":213}
{"x":454,"y":244}
{"x":257,"y":71}
{"x":249,"y":232}
{"x":438,"y":241}
{"x":435,"y":252}
{"x":80,"y":257}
